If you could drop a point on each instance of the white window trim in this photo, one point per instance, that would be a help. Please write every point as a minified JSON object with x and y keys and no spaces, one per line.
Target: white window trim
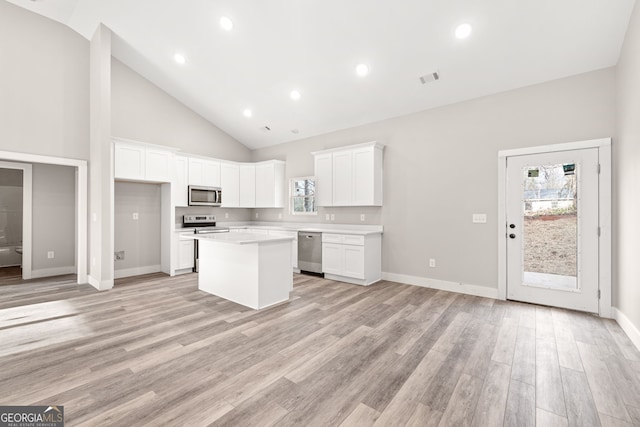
{"x":291,"y":196}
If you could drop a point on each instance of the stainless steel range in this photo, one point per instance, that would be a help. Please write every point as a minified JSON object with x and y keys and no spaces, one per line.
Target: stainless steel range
{"x":201,"y":224}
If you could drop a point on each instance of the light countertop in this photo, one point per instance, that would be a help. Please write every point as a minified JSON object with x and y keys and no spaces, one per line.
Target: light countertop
{"x":361,"y":230}
{"x":237,"y":238}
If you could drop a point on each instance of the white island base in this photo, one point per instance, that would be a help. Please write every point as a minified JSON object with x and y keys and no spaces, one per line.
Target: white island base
{"x":254,"y":271}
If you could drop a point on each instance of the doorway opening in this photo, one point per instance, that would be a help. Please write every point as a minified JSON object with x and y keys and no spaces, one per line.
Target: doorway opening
{"x":75,"y":235}
{"x":15,"y":220}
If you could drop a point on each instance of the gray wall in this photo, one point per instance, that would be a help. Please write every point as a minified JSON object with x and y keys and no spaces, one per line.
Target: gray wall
{"x":140,"y":239}
{"x":143,"y":112}
{"x":626,"y":167}
{"x":44,"y":86}
{"x":440,"y":166}
{"x":54,"y":216}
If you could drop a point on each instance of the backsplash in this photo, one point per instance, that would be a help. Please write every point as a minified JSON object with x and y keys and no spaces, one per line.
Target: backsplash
{"x":344,"y":215}
{"x":341,"y":215}
{"x":221,"y":214}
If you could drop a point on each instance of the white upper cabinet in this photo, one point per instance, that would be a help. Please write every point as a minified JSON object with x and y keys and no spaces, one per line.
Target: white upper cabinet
{"x":349,"y":176}
{"x":324,"y":179}
{"x":247,"y":185}
{"x":141,"y":162}
{"x":158,"y":165}
{"x":230,"y":183}
{"x":204,"y":172}
{"x":180,"y":182}
{"x":367,"y":176}
{"x":269,"y":184}
{"x":342,"y":178}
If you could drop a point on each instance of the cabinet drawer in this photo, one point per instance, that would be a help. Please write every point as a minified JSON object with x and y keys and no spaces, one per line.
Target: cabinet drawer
{"x":350,"y":239}
{"x":331,"y":238}
{"x":344,"y":239}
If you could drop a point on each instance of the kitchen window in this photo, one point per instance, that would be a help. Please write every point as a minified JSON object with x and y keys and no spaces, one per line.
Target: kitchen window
{"x":303,"y":196}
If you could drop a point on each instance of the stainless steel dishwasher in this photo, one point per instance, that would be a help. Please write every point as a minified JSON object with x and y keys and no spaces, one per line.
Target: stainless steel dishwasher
{"x":310,"y":252}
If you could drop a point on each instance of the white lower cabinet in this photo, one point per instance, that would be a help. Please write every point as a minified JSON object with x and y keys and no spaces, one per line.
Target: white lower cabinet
{"x":332,"y":258}
{"x":352,"y":258}
{"x":184,"y":253}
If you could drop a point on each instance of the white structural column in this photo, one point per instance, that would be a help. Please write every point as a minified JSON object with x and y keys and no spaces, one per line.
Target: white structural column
{"x":101,"y":187}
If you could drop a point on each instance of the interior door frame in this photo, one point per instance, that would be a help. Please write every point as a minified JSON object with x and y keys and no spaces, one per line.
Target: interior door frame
{"x":81,"y":202}
{"x":27,"y":215}
{"x":604,"y":215}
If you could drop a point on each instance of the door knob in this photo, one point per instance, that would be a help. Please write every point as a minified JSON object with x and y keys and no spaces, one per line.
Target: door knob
{"x":513,"y":236}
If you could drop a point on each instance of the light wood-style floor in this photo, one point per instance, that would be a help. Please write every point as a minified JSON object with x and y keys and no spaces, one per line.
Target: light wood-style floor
{"x":10,"y":275}
{"x":156,"y":351}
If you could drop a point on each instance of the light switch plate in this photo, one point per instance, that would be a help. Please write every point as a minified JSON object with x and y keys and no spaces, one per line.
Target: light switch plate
{"x":361,"y":217}
{"x":479,"y":218}
{"x":135,"y":216}
{"x":333,"y":217}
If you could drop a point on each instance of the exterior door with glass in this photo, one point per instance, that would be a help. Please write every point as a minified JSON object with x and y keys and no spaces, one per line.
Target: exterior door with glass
{"x":552,"y":229}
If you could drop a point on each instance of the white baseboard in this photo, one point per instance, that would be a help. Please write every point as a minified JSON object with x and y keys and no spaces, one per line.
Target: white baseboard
{"x":137,"y":271}
{"x":50,"y":272}
{"x":627,"y":326}
{"x":101,"y":286}
{"x":462,"y":288}
{"x":350,"y":280}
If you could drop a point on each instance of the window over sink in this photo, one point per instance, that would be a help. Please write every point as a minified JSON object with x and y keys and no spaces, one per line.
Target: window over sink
{"x":303,"y":196}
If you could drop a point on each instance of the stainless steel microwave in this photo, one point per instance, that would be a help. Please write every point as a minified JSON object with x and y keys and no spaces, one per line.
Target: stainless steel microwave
{"x":204,"y":196}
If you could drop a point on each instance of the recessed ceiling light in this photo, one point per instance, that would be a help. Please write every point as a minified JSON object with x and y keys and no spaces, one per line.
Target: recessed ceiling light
{"x":362,"y":70}
{"x":180,"y":59}
{"x":247,"y":113}
{"x":226,"y":23}
{"x":463,"y":31}
{"x":295,"y":95}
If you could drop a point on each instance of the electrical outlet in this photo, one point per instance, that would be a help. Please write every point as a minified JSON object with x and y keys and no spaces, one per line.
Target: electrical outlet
{"x":93,"y":261}
{"x":432,"y":263}
{"x":119,"y":256}
{"x":333,"y":217}
{"x":479,"y":218}
{"x":135,"y":216}
{"x":361,"y":217}
{"x":226,"y":215}
{"x":327,"y":217}
{"x":94,"y":217}
{"x":50,"y":255}
{"x":279,"y":216}
{"x":257,"y":215}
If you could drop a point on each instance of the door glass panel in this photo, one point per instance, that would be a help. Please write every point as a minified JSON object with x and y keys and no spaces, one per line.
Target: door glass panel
{"x":550,"y":207}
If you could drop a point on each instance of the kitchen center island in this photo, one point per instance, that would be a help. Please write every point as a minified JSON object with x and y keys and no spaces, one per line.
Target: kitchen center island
{"x":249,"y":269}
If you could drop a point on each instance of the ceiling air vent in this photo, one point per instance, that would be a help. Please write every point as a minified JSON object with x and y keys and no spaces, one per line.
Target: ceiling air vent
{"x":431,"y":77}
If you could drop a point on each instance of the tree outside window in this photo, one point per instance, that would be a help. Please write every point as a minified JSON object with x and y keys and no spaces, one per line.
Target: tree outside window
{"x":303,"y":199}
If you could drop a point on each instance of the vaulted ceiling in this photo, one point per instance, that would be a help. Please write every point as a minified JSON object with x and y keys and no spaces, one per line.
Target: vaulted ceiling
{"x":313,"y":47}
